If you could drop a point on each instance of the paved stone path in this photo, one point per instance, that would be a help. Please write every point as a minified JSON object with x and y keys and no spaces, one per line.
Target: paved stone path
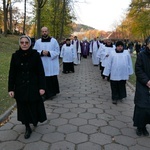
{"x":81,"y":117}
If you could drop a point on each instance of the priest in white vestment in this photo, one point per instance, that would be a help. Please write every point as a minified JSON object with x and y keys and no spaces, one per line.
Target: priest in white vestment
{"x":49,"y":51}
{"x":94,"y":46}
{"x":77,"y":50}
{"x":105,"y":52}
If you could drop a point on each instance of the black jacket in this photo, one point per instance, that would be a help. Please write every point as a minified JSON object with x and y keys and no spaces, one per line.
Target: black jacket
{"x":26,"y":75}
{"x":142,"y":71}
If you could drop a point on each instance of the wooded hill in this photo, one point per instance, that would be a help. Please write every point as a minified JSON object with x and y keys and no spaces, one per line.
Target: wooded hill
{"x":81,"y":28}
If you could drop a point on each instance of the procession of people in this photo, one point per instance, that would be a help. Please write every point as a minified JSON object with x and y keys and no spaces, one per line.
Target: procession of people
{"x":34,"y":70}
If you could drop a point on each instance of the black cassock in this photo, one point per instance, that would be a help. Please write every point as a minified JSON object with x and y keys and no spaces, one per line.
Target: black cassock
{"x":52,"y":86}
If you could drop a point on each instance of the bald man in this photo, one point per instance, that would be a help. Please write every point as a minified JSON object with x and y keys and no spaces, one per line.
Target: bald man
{"x":49,"y":51}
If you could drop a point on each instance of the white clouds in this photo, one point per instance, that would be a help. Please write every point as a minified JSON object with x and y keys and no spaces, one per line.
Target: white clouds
{"x":101,"y":14}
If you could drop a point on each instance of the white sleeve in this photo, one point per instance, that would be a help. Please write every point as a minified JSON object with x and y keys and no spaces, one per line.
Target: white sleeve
{"x":56,"y":50}
{"x":107,"y":69}
{"x":130,"y":64}
{"x":62,"y":51}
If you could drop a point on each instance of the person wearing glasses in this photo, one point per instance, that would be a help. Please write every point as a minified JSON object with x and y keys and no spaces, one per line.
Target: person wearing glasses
{"x":26,"y":83}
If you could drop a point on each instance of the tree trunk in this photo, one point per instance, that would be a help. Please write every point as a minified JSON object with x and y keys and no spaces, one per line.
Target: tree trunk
{"x":10,"y":15}
{"x":63,"y":19}
{"x":38,"y":19}
{"x":40,"y":4}
{"x":5,"y":18}
{"x":24,"y":22}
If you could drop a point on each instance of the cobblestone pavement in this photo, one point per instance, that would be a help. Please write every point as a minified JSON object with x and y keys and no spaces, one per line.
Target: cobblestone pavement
{"x":81,"y":117}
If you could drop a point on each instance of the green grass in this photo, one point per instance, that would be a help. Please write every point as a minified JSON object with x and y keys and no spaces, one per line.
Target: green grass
{"x":8,"y":45}
{"x":132,"y":78}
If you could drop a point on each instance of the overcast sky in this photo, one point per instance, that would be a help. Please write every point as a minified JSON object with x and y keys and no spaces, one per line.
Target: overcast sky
{"x":101,"y":14}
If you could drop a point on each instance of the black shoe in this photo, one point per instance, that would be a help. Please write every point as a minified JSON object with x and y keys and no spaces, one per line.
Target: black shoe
{"x":145,"y":132}
{"x":139,"y":131}
{"x":114,"y":101}
{"x":27,"y":133}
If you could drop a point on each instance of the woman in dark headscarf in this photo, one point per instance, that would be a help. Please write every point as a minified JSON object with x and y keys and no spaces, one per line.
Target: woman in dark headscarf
{"x":26,"y":84}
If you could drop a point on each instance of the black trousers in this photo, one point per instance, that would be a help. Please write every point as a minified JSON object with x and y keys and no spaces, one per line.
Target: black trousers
{"x":118,"y":89}
{"x":102,"y":70}
{"x":67,"y":67}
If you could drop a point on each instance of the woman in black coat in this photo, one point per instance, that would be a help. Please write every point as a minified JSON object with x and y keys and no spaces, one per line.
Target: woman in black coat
{"x":142,"y":94}
{"x":26,"y":83}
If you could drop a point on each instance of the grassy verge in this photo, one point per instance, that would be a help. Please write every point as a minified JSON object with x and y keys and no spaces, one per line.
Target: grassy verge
{"x":132,"y":78}
{"x":8,"y":45}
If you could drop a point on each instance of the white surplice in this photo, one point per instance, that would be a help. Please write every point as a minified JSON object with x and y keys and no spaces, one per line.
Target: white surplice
{"x":51,"y":64}
{"x":94,"y":46}
{"x":67,"y":53}
{"x":77,"y":51}
{"x":119,"y":66}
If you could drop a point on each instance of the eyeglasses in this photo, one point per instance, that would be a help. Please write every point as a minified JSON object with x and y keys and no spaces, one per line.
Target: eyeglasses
{"x":24,"y":42}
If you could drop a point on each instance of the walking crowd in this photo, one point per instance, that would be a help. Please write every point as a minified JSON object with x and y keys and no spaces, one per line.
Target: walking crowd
{"x":34,"y":69}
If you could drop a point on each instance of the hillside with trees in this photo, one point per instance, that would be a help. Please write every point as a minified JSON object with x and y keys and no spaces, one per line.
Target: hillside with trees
{"x":81,"y":27}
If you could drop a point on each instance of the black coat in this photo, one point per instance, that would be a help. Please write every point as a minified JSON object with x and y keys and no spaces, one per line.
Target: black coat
{"x":142,"y":71}
{"x":26,"y":77}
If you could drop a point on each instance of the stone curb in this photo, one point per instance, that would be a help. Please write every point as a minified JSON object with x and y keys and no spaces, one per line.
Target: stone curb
{"x":6,"y":114}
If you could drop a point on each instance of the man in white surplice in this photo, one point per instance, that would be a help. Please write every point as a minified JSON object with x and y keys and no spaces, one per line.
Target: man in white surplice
{"x":67,"y":55}
{"x":77,"y":50}
{"x":94,"y":46}
{"x":119,"y":67}
{"x":49,"y":51}
{"x":105,"y":52}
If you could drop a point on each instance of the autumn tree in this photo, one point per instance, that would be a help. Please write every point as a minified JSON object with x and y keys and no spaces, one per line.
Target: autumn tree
{"x":1,"y":19}
{"x":58,"y":17}
{"x":39,"y":4}
{"x":138,"y":19}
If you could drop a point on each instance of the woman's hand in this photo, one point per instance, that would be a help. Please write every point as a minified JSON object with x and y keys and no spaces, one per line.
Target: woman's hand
{"x":41,"y":91}
{"x":11,"y":94}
